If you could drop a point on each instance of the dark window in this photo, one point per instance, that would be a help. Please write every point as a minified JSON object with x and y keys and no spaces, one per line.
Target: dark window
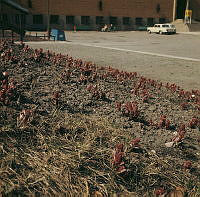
{"x":126,"y":21}
{"x":38,"y":19}
{"x":158,"y":8}
{"x":100,"y":5}
{"x":138,"y":21}
{"x":4,"y":19}
{"x":85,"y":20}
{"x":162,"y":20}
{"x":113,"y":20}
{"x":54,"y":19}
{"x":30,"y":3}
{"x":17,"y":19}
{"x":150,"y":21}
{"x":70,"y":20}
{"x":99,"y":20}
{"x":20,"y":18}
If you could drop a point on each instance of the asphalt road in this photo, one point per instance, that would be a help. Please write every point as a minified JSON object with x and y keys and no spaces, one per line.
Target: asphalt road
{"x":169,"y":58}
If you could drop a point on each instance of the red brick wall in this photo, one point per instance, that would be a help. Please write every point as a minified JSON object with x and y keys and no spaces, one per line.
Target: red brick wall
{"x":129,"y":8}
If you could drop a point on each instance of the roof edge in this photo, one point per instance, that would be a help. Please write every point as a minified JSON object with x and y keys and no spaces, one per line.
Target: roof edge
{"x":15,"y":5}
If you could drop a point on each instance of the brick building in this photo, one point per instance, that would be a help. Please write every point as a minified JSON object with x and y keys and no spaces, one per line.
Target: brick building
{"x":91,"y":14}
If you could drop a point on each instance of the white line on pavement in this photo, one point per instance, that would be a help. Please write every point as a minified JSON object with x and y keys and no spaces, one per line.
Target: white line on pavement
{"x":118,"y":49}
{"x":140,"y":52}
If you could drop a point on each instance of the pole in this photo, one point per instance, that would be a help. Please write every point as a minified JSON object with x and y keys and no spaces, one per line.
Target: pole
{"x":174,"y":10}
{"x":20,"y":26}
{"x":48,"y":20}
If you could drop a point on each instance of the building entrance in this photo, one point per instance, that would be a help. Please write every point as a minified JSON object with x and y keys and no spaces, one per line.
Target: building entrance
{"x":181,"y":6}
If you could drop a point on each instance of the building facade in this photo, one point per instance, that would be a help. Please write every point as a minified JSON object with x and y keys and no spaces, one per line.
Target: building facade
{"x":92,"y":14}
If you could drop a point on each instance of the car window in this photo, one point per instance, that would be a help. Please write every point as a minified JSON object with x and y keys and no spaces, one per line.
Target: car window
{"x":158,"y":25}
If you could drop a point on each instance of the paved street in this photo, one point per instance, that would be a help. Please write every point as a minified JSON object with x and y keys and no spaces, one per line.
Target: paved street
{"x":169,"y":58}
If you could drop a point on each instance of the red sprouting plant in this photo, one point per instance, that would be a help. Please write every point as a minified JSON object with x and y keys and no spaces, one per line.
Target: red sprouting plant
{"x":145,"y":96}
{"x":159,"y":192}
{"x":194,"y":123}
{"x":82,"y":79}
{"x":184,"y":106}
{"x":24,"y":117}
{"x":187,"y":165}
{"x":56,"y":97}
{"x":164,"y":122}
{"x":97,"y":94}
{"x":89,"y":87}
{"x":151,"y":123}
{"x":131,"y":109}
{"x":7,"y":90}
{"x":118,"y":106}
{"x":118,"y":155}
{"x":179,"y":136}
{"x":181,"y":127}
{"x":135,"y":143}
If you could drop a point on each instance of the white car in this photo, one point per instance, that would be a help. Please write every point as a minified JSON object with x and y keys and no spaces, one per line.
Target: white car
{"x":162,"y":29}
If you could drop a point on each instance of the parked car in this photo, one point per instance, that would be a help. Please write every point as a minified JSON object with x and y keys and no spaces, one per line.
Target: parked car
{"x":162,"y":29}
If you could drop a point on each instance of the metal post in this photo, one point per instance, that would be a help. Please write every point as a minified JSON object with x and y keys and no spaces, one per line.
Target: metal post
{"x":174,"y":10}
{"x":48,"y":20}
{"x":20,"y":27}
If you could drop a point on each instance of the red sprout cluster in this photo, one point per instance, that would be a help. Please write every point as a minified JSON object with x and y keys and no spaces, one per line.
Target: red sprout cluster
{"x":187,"y":165}
{"x":164,"y":122}
{"x":8,"y":89}
{"x":194,"y":123}
{"x":180,"y":134}
{"x":56,"y":97}
{"x":96,"y":93}
{"x":159,"y":192}
{"x":129,"y":109}
{"x":184,"y":105}
{"x":118,"y":159}
{"x":135,"y":143}
{"x":24,"y":116}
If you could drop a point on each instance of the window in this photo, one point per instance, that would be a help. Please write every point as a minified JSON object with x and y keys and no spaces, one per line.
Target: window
{"x":99,"y":20}
{"x":5,"y":17}
{"x":100,"y":5}
{"x":126,"y":21}
{"x":38,"y":19}
{"x":17,"y":19}
{"x":165,"y":26}
{"x":70,"y":20}
{"x":30,"y":3}
{"x":54,"y":19}
{"x":162,"y":20}
{"x":138,"y":21}
{"x":150,"y":21}
{"x":113,"y":20}
{"x":85,"y":20}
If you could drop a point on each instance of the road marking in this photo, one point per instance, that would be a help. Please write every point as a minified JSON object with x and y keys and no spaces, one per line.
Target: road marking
{"x":140,"y":52}
{"x":119,"y":49}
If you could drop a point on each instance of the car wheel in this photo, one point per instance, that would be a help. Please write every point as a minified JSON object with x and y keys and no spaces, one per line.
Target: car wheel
{"x":149,"y":31}
{"x":160,"y":32}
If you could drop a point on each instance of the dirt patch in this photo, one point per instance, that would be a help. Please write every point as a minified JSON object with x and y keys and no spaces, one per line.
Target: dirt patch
{"x":68,"y":126}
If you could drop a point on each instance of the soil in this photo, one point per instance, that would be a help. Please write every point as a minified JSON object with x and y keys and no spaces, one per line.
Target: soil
{"x":136,"y":106}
